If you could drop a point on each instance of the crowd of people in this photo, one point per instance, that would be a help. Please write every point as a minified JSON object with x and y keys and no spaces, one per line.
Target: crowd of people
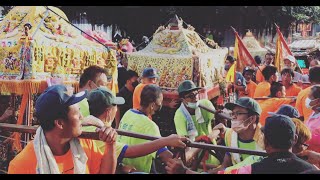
{"x":272,"y":113}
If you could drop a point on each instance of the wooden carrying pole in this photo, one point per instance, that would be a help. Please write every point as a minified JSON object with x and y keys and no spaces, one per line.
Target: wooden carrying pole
{"x":95,"y":136}
{"x":214,"y":111}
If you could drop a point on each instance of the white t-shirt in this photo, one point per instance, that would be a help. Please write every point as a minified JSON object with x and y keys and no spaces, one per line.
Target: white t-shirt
{"x":305,"y":78}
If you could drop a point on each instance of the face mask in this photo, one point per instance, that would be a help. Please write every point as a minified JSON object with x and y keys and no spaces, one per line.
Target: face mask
{"x":287,"y":67}
{"x":308,"y":101}
{"x":135,"y":84}
{"x":226,"y":67}
{"x":191,"y":105}
{"x":103,"y":87}
{"x":238,"y":126}
{"x":99,"y":86}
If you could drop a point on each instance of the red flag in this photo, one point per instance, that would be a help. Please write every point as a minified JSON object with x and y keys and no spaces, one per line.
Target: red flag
{"x":282,"y":51}
{"x":242,"y":54}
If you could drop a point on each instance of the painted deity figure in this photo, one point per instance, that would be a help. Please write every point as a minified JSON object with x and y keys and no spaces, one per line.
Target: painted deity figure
{"x":25,"y":53}
{"x":76,"y":65}
{"x":49,"y":63}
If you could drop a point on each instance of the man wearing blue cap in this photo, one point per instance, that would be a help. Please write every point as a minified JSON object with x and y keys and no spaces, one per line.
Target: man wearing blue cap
{"x":56,"y":148}
{"x":149,"y":76}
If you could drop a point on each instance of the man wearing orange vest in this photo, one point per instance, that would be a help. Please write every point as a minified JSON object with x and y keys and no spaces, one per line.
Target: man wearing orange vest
{"x":267,"y":62}
{"x":57,"y":148}
{"x":263,"y":88}
{"x":278,"y":92}
{"x":251,"y":86}
{"x":314,"y":78}
{"x":292,"y":89}
{"x":290,"y":62}
{"x":149,"y":76}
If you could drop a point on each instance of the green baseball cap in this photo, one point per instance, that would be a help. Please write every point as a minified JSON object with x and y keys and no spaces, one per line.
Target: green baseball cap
{"x":247,"y":103}
{"x":102,"y":96}
{"x":187,"y":86}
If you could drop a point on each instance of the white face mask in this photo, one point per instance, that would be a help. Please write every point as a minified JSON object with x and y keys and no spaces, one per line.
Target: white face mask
{"x":191,"y":105}
{"x":287,"y":67}
{"x":238,"y":126}
{"x":308,"y":101}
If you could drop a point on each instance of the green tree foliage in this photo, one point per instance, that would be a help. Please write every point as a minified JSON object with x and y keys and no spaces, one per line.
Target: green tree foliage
{"x":6,"y":9}
{"x":305,"y":13}
{"x":264,"y":17}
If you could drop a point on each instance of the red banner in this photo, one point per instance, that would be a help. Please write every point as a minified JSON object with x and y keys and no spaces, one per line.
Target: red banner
{"x":242,"y":54}
{"x":282,"y":51}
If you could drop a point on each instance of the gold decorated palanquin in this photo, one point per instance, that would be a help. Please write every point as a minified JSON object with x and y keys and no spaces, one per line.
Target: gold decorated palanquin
{"x":253,"y":45}
{"x":180,"y":55}
{"x":36,"y":44}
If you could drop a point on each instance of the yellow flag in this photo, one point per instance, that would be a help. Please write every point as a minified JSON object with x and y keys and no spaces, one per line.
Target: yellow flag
{"x":231,"y":73}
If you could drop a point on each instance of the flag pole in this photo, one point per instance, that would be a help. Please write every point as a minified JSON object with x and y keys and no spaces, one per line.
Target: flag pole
{"x":234,"y":76}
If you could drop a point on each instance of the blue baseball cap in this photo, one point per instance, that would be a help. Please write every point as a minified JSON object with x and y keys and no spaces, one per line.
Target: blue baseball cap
{"x":287,"y":110}
{"x":51,"y":104}
{"x":279,"y":130}
{"x":150,"y":73}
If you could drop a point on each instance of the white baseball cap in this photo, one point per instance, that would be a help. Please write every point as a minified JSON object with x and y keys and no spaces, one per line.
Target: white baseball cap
{"x":291,"y":58}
